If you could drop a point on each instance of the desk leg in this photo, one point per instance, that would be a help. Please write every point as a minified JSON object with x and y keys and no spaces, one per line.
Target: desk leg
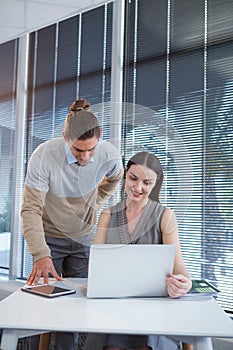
{"x":203,"y":343}
{"x":9,"y":339}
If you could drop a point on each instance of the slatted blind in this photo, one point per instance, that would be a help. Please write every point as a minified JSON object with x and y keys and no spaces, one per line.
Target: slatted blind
{"x":179,"y":103}
{"x":8,"y":70}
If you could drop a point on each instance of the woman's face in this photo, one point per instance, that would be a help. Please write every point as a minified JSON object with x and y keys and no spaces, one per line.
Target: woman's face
{"x":139,"y":182}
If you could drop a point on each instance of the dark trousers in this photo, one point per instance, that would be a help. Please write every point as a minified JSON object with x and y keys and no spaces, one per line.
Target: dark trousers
{"x":70,"y":259}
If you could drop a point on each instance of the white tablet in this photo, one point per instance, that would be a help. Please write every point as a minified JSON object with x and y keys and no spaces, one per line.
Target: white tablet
{"x":48,"y":290}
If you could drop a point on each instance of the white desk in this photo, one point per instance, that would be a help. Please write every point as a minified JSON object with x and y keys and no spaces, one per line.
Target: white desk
{"x":22,"y":314}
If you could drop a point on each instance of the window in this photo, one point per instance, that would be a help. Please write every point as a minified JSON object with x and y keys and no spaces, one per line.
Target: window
{"x":8,"y":70}
{"x":179,"y":103}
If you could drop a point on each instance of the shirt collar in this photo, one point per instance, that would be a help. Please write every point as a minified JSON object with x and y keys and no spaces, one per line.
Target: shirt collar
{"x":70,"y":157}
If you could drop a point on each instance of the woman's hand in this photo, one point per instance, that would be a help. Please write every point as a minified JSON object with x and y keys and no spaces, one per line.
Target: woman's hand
{"x":178,"y":285}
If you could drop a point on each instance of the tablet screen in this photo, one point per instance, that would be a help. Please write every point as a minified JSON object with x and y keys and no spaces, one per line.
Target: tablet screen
{"x":48,"y":290}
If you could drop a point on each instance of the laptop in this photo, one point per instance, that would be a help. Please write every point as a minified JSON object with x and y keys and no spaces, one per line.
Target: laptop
{"x":118,"y":270}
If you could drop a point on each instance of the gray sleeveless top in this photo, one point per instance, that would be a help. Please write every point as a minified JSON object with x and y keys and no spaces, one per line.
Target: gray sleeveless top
{"x":147,"y":230}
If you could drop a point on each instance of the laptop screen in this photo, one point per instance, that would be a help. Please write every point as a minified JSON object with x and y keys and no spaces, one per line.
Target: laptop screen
{"x":118,"y":270}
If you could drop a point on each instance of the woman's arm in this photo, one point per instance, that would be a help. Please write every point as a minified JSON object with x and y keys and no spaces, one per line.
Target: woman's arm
{"x":179,"y":283}
{"x":102,"y":227}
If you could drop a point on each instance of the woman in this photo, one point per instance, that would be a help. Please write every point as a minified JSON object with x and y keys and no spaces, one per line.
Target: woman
{"x":139,"y":218}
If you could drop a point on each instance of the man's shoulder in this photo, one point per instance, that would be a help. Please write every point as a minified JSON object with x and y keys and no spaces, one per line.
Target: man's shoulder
{"x":107,"y":149}
{"x":48,"y":153}
{"x":50,"y":145}
{"x":108,"y":159}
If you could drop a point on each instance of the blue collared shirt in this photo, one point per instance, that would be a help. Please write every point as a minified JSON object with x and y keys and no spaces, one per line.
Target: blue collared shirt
{"x":71,"y":158}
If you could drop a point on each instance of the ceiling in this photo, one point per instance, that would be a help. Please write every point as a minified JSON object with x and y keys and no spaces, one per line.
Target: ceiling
{"x":18,"y":17}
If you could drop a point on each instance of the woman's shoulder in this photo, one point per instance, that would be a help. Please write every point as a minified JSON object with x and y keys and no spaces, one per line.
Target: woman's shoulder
{"x":169,"y":215}
{"x":168,"y":211}
{"x":165,"y":211}
{"x":158,"y":207}
{"x":169,"y":221}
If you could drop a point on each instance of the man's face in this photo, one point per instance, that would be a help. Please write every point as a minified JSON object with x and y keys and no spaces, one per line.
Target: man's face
{"x":84,"y":150}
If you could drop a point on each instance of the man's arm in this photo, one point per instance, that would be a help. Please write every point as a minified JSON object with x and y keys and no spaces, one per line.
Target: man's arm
{"x":33,"y":231}
{"x":107,"y":187}
{"x":31,"y":211}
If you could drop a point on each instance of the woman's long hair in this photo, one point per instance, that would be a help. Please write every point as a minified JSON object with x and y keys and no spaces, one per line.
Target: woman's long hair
{"x":151,"y":162}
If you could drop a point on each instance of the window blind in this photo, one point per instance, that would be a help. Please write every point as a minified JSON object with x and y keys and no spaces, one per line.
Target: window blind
{"x":8,"y":70}
{"x":178,"y":104}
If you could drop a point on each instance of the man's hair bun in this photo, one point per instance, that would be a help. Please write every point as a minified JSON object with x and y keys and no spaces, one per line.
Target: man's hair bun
{"x":80,"y":105}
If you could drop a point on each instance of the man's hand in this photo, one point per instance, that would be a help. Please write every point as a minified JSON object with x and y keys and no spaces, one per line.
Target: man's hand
{"x":42,"y":268}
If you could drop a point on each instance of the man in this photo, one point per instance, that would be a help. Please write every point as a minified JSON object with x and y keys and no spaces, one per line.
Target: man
{"x":68,"y":180}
